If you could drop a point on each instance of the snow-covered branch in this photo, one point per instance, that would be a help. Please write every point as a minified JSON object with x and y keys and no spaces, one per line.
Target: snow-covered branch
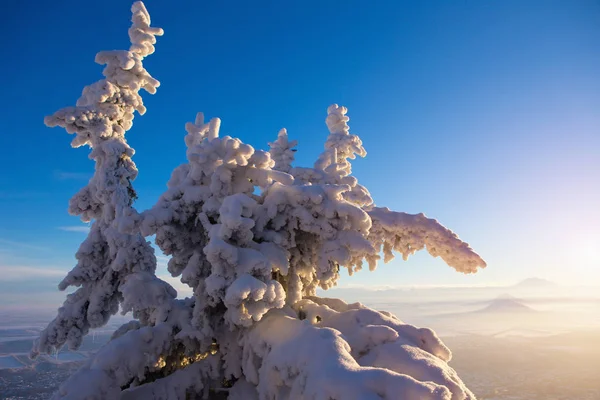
{"x":140,"y":359}
{"x":408,"y":233}
{"x":107,"y":258}
{"x":282,"y":151}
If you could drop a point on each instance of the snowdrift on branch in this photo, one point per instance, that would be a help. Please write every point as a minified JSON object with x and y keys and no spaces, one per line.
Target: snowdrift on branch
{"x":254,"y":237}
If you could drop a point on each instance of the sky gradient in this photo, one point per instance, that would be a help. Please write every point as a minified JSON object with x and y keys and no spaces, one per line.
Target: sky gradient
{"x":483,"y":115}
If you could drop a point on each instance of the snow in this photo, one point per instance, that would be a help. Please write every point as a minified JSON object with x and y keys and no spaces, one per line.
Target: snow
{"x":297,"y":360}
{"x":253,"y":238}
{"x":406,"y":233}
{"x":282,"y":151}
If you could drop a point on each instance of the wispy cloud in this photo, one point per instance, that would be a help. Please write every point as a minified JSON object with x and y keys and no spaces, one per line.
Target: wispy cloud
{"x":75,"y":228}
{"x":162,"y":261}
{"x":377,"y":288}
{"x":78,"y":176}
{"x":23,"y":245}
{"x":16,"y":273}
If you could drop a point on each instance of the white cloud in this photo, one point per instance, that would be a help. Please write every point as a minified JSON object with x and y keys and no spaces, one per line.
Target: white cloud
{"x":13,"y":243}
{"x":162,"y":261}
{"x":75,"y":228}
{"x":16,"y":273}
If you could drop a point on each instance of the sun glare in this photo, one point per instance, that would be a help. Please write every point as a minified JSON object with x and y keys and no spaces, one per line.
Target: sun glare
{"x":591,"y":250}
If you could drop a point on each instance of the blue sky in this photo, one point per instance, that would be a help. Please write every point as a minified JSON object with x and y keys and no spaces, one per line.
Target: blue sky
{"x":481,"y":114}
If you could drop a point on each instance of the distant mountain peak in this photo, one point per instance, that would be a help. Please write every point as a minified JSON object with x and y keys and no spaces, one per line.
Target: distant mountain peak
{"x":506,"y":296}
{"x":506,"y":304}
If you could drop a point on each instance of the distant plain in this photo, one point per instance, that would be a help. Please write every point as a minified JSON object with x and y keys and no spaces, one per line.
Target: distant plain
{"x":529,"y":341}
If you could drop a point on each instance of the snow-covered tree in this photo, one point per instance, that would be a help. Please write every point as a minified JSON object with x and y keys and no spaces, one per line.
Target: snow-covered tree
{"x":254,"y":238}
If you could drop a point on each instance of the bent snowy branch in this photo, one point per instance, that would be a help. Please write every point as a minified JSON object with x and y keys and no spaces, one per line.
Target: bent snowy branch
{"x":407,"y":234}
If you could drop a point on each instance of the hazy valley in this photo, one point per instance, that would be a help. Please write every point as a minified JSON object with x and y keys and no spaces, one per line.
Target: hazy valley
{"x":534,"y":340}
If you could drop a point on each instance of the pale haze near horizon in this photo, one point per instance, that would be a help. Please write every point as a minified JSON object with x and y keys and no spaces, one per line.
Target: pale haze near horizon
{"x":494,"y":134}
